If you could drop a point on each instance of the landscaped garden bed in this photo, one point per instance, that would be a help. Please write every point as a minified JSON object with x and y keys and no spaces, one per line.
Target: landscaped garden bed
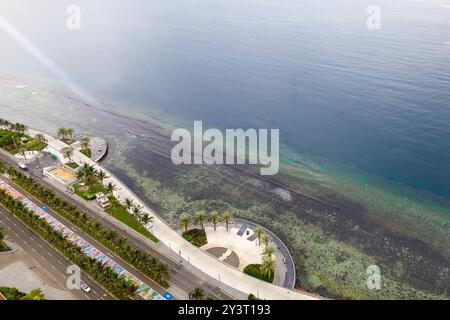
{"x":16,"y":142}
{"x":86,"y":152}
{"x":87,"y":192}
{"x":255,"y":271}
{"x":72,"y":165}
{"x":196,"y":236}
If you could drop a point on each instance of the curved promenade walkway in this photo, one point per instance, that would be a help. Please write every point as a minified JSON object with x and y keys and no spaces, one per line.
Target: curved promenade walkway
{"x":288,"y":268}
{"x":170,"y":240}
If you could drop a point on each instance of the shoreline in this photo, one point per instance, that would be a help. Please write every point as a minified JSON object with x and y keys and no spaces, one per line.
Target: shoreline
{"x":307,"y":179}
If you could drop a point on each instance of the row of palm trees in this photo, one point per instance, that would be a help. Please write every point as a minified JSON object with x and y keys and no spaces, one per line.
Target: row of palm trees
{"x":268,"y":262}
{"x":14,"y":127}
{"x":135,"y":211}
{"x":85,"y":143}
{"x":65,"y":133}
{"x":149,"y":265}
{"x":201,"y":217}
{"x":114,"y":283}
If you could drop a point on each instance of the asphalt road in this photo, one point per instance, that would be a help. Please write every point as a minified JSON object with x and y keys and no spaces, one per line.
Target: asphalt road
{"x":180,"y":276}
{"x":99,"y":246}
{"x":46,"y":256}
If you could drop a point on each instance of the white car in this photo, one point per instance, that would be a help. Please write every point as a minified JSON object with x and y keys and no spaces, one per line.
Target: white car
{"x":85,"y":287}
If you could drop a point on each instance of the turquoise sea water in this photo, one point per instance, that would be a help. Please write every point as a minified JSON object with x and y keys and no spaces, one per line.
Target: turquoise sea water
{"x":377,"y":102}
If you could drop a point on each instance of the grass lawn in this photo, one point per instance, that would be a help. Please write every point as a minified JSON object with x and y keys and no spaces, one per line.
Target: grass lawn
{"x":90,"y":193}
{"x":86,"y":152}
{"x":254,"y":271}
{"x":72,"y":165}
{"x":196,"y":236}
{"x":120,"y":213}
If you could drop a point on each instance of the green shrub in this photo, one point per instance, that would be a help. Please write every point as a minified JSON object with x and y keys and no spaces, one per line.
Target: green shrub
{"x":12,"y":293}
{"x":254,"y":271}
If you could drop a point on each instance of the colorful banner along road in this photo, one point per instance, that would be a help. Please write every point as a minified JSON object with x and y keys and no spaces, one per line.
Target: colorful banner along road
{"x":143,"y":290}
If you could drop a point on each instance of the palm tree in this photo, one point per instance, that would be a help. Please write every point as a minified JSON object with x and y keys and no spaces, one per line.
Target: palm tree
{"x":227,"y":218}
{"x":200,"y":218}
{"x":184,"y":221}
{"x":265,"y":238}
{"x":68,"y":153}
{"x":197,"y":294}
{"x":213,"y":217}
{"x":258,"y":231}
{"x":62,"y":132}
{"x":90,"y":181}
{"x":110,"y":188}
{"x":161,"y":272}
{"x":136,"y":212}
{"x":35,"y":294}
{"x":80,"y":174}
{"x":146,"y":219}
{"x":85,"y":142}
{"x":40,"y":137}
{"x":268,"y":251}
{"x":268,"y":266}
{"x":101,"y":175}
{"x":22,"y":151}
{"x":128,"y":204}
{"x":69,"y":132}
